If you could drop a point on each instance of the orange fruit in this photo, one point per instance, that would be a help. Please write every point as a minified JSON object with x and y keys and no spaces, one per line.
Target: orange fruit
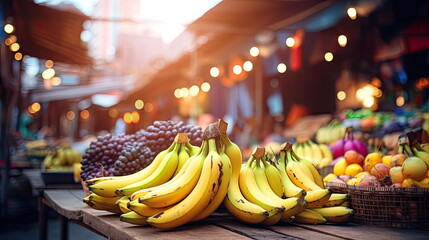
{"x":353,"y":156}
{"x":353,"y":169}
{"x":371,"y":160}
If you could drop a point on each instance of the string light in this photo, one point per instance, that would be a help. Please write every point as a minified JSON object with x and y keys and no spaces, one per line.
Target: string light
{"x":128,"y":118}
{"x":14,"y":47}
{"x":247,"y":66}
{"x":329,"y":56}
{"x":352,"y":13}
{"x":70,"y":115}
{"x":205,"y":87}
{"x":48,"y":73}
{"x":84,"y":114}
{"x":185,"y":92}
{"x":342,"y":40}
{"x":178,"y":93}
{"x":400,"y":101}
{"x":214,"y":72}
{"x":49,"y":64}
{"x":368,"y":101}
{"x":8,"y":28}
{"x":35,"y":107}
{"x":194,"y":90}
{"x":281,"y":68}
{"x":290,"y":42}
{"x":135,"y":117}
{"x":341,"y":95}
{"x":139,"y":104}
{"x":254,"y":51}
{"x":237,"y":70}
{"x":18,"y":56}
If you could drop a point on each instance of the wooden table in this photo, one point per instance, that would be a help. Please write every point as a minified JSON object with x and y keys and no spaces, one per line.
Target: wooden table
{"x":68,"y":203}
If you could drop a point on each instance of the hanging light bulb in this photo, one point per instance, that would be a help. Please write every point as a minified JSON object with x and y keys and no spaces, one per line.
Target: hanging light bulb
{"x":281,"y":68}
{"x":247,"y":66}
{"x":214,"y":72}
{"x":342,"y":40}
{"x":290,"y":42}
{"x":254,"y":52}
{"x":351,"y":11}
{"x":329,"y":56}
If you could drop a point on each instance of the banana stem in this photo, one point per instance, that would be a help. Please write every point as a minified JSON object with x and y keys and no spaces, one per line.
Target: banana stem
{"x":408,"y":151}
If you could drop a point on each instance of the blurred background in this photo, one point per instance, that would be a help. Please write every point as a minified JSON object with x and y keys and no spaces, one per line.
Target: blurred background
{"x":72,"y":70}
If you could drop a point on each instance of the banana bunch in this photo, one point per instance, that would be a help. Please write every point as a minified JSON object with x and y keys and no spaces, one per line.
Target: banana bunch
{"x":330,"y":133}
{"x":62,"y":160}
{"x":301,"y":178}
{"x":102,"y":203}
{"x":194,"y":193}
{"x":165,"y":165}
{"x":319,"y":154}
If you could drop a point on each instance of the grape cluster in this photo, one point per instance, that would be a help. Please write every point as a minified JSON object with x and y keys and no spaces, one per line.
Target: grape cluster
{"x":99,"y":159}
{"x":134,"y":157}
{"x":160,"y":135}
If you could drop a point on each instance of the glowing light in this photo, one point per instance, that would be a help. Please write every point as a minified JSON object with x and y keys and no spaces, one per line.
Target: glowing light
{"x":376,"y":82}
{"x":48,"y":73}
{"x":148,"y":107}
{"x":139,"y":104}
{"x":178,"y":93}
{"x":368,"y":101}
{"x":113,"y":113}
{"x":70,"y":115}
{"x":185,"y":92}
{"x":290,"y":42}
{"x":341,"y":95}
{"x":8,"y":28}
{"x":360,"y":94}
{"x":84,"y":114}
{"x":35,"y":107}
{"x":205,"y":87}
{"x":135,"y":117}
{"x":342,"y":40}
{"x":214,"y":72}
{"x":248,"y":66}
{"x":352,"y":13}
{"x":281,"y":68}
{"x":254,"y":51}
{"x":49,"y":64}
{"x":14,"y":47}
{"x":194,"y":90}
{"x":18,"y":56}
{"x":128,"y":118}
{"x":8,"y":41}
{"x":237,"y":69}
{"x":400,"y":101}
{"x":30,"y":110}
{"x":379,"y":93}
{"x":329,"y":56}
{"x":55,"y":81}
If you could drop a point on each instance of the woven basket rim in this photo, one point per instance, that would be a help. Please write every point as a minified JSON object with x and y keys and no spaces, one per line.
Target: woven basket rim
{"x":380,"y":190}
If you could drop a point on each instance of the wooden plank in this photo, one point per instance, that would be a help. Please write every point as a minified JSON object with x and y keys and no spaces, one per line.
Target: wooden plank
{"x":110,"y":225}
{"x":65,"y":202}
{"x":303,"y":233}
{"x":356,"y":231}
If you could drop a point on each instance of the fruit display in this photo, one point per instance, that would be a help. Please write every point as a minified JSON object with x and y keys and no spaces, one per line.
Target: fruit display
{"x":330,"y":133}
{"x":319,"y":154}
{"x":117,"y":155}
{"x":62,"y":160}
{"x":348,"y":143}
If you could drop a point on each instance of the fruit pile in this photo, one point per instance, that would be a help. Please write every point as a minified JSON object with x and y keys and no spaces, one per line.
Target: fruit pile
{"x":125,"y":154}
{"x":330,"y":133}
{"x":186,"y":184}
{"x":61,"y":160}
{"x":319,"y":154}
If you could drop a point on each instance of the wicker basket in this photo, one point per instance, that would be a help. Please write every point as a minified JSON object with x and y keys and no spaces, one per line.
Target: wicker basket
{"x":390,"y":207}
{"x":338,"y":187}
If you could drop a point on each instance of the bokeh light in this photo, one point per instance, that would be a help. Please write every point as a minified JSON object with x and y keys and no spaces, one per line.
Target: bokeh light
{"x":205,"y":87}
{"x":341,"y":95}
{"x":70,"y":115}
{"x":248,"y":66}
{"x":290,"y":42}
{"x":254,"y":51}
{"x":214,"y":72}
{"x":8,"y":28}
{"x":139,"y":104}
{"x":84,"y":114}
{"x":329,"y":56}
{"x":194,"y":90}
{"x":281,"y":68}
{"x":342,"y":40}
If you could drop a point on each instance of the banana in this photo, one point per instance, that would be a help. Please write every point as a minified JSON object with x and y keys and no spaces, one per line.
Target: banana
{"x":310,"y":217}
{"x":298,"y":149}
{"x":326,"y":152}
{"x":170,"y":193}
{"x":144,"y":210}
{"x":107,"y":187}
{"x":102,"y":206}
{"x":293,"y":206}
{"x":336,"y":214}
{"x":422,"y":155}
{"x":336,"y":199}
{"x":192,"y":150}
{"x":275,"y":218}
{"x":101,"y":199}
{"x":250,"y":189}
{"x":317,"y":152}
{"x":133,"y":218}
{"x":198,"y":199}
{"x":273,"y":177}
{"x":122,"y":204}
{"x":345,"y":204}
{"x":223,"y":188}
{"x":299,"y":176}
{"x":317,"y":198}
{"x":183,"y":157}
{"x":162,"y":174}
{"x":308,"y":152}
{"x":312,"y":168}
{"x":289,"y":188}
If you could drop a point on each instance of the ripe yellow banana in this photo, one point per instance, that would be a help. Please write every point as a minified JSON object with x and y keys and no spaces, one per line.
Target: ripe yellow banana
{"x":198,"y":199}
{"x":336,"y":214}
{"x":144,"y":210}
{"x":336,"y":199}
{"x":317,"y":198}
{"x":275,"y":218}
{"x":289,"y":188}
{"x":122,"y":204}
{"x":293,"y":206}
{"x":138,"y":175}
{"x":310,"y":217}
{"x":317,"y":152}
{"x":297,"y":148}
{"x":273,"y":177}
{"x":298,"y":176}
{"x":312,"y":168}
{"x":308,"y":152}
{"x":192,"y":150}
{"x":345,"y":204}
{"x":108,"y":187}
{"x":170,"y":193}
{"x":326,"y":152}
{"x":133,"y":218}
{"x":98,"y":198}
{"x":183,"y":157}
{"x":223,"y":188}
{"x":162,"y":174}
{"x":102,"y":206}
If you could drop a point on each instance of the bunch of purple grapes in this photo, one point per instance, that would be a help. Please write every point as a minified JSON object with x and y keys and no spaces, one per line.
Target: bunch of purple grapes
{"x":134,"y":157}
{"x":99,"y":159}
{"x":160,"y":135}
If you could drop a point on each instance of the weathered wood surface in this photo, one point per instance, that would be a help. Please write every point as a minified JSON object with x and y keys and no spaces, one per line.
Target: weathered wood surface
{"x":218,"y":226}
